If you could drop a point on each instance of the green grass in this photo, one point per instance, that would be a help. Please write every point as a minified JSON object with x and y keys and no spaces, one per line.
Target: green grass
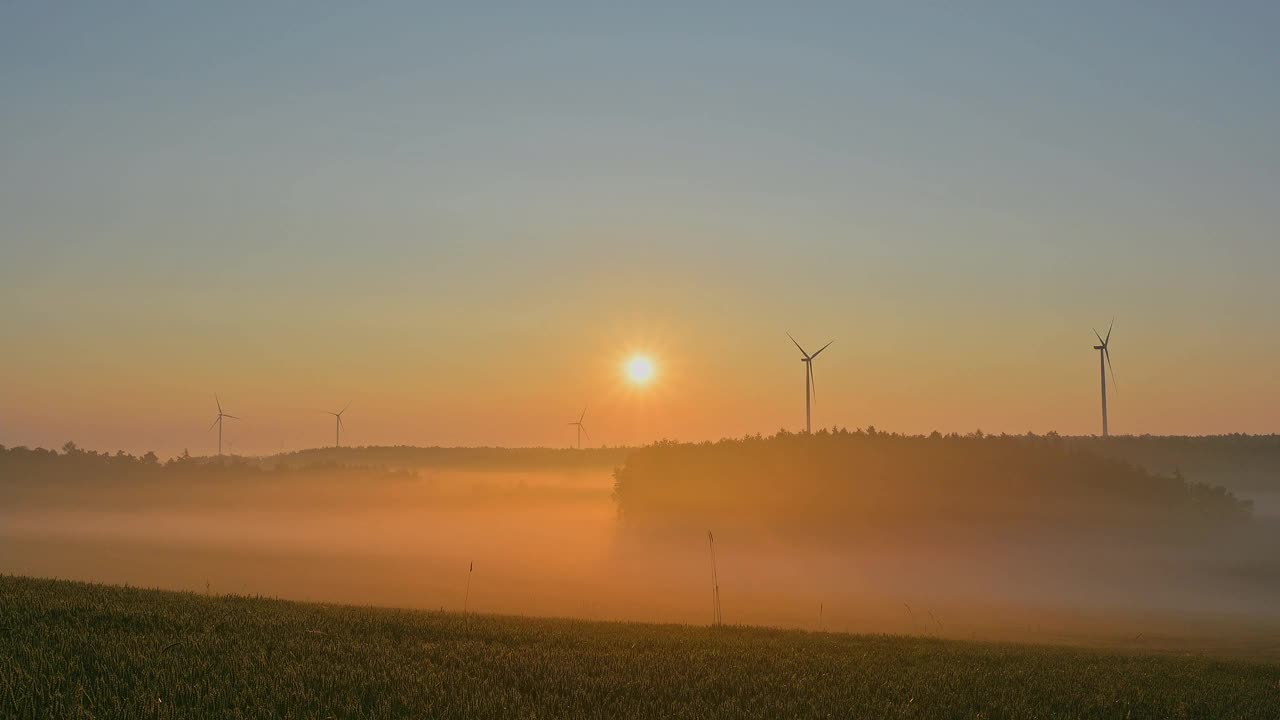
{"x":71,"y":650}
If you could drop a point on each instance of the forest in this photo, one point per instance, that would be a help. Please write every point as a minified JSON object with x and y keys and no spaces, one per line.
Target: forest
{"x":850,"y":482}
{"x":76,"y":465}
{"x":1238,"y":461}
{"x":486,"y":458}
{"x":865,"y":484}
{"x":78,"y":477}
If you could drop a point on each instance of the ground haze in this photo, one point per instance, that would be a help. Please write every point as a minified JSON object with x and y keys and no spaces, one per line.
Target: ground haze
{"x":550,"y":540}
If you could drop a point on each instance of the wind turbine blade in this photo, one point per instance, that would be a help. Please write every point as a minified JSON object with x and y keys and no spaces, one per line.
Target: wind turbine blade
{"x":231,"y":417}
{"x":802,"y":352}
{"x":215,"y":399}
{"x":813,"y":383}
{"x":1113,"y":324}
{"x":584,"y":431}
{"x":344,"y":408}
{"x":215,"y":423}
{"x":824,"y":347}
{"x":1106,"y":352}
{"x":1100,"y":340}
{"x":583,"y":416}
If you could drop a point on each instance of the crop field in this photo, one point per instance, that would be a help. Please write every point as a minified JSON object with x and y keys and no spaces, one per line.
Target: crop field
{"x":72,"y":650}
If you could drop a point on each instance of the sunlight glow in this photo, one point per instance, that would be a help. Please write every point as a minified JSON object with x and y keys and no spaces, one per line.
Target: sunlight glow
{"x":640,"y":369}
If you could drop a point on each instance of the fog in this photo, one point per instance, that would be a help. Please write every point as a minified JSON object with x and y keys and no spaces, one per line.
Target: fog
{"x":552,"y":543}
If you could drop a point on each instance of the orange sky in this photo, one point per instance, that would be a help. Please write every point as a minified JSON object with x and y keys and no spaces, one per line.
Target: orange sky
{"x":720,"y":371}
{"x":461,"y":222}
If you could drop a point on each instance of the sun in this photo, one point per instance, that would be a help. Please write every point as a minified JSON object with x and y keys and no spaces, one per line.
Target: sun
{"x":640,"y":369}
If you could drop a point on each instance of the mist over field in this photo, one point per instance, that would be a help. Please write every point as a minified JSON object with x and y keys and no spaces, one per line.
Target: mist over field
{"x":566,"y":536}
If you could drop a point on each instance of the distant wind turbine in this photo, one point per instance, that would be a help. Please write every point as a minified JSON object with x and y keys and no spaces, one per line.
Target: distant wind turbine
{"x":582,"y":429}
{"x":337,"y":425}
{"x":810,"y":385}
{"x":1104,"y":364}
{"x":218,"y":421}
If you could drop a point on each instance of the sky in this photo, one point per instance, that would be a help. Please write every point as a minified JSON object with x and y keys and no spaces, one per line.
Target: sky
{"x":462,"y":220}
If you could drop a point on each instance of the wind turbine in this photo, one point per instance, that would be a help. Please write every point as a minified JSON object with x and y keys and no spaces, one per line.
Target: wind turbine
{"x":337,"y":425}
{"x":1104,"y":364}
{"x":218,"y":421}
{"x":581,"y":428}
{"x":810,"y":385}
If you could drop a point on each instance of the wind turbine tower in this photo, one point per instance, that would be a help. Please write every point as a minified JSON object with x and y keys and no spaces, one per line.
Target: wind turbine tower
{"x":810,"y":385}
{"x":581,"y":428}
{"x":218,"y":421}
{"x":1104,"y":364}
{"x":337,"y":425}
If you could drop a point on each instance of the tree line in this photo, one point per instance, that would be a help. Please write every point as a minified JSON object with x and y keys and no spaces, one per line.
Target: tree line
{"x":866,"y":483}
{"x":1240,"y":462}
{"x":75,"y":466}
{"x":489,"y":458}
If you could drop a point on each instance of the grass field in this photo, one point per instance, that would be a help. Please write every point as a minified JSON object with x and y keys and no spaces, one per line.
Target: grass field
{"x":71,"y":650}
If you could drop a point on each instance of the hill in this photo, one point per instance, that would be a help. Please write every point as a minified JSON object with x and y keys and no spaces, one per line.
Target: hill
{"x":75,"y":650}
{"x":1239,"y":462}
{"x":476,"y":458}
{"x":865,"y":484}
{"x":76,"y":477}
